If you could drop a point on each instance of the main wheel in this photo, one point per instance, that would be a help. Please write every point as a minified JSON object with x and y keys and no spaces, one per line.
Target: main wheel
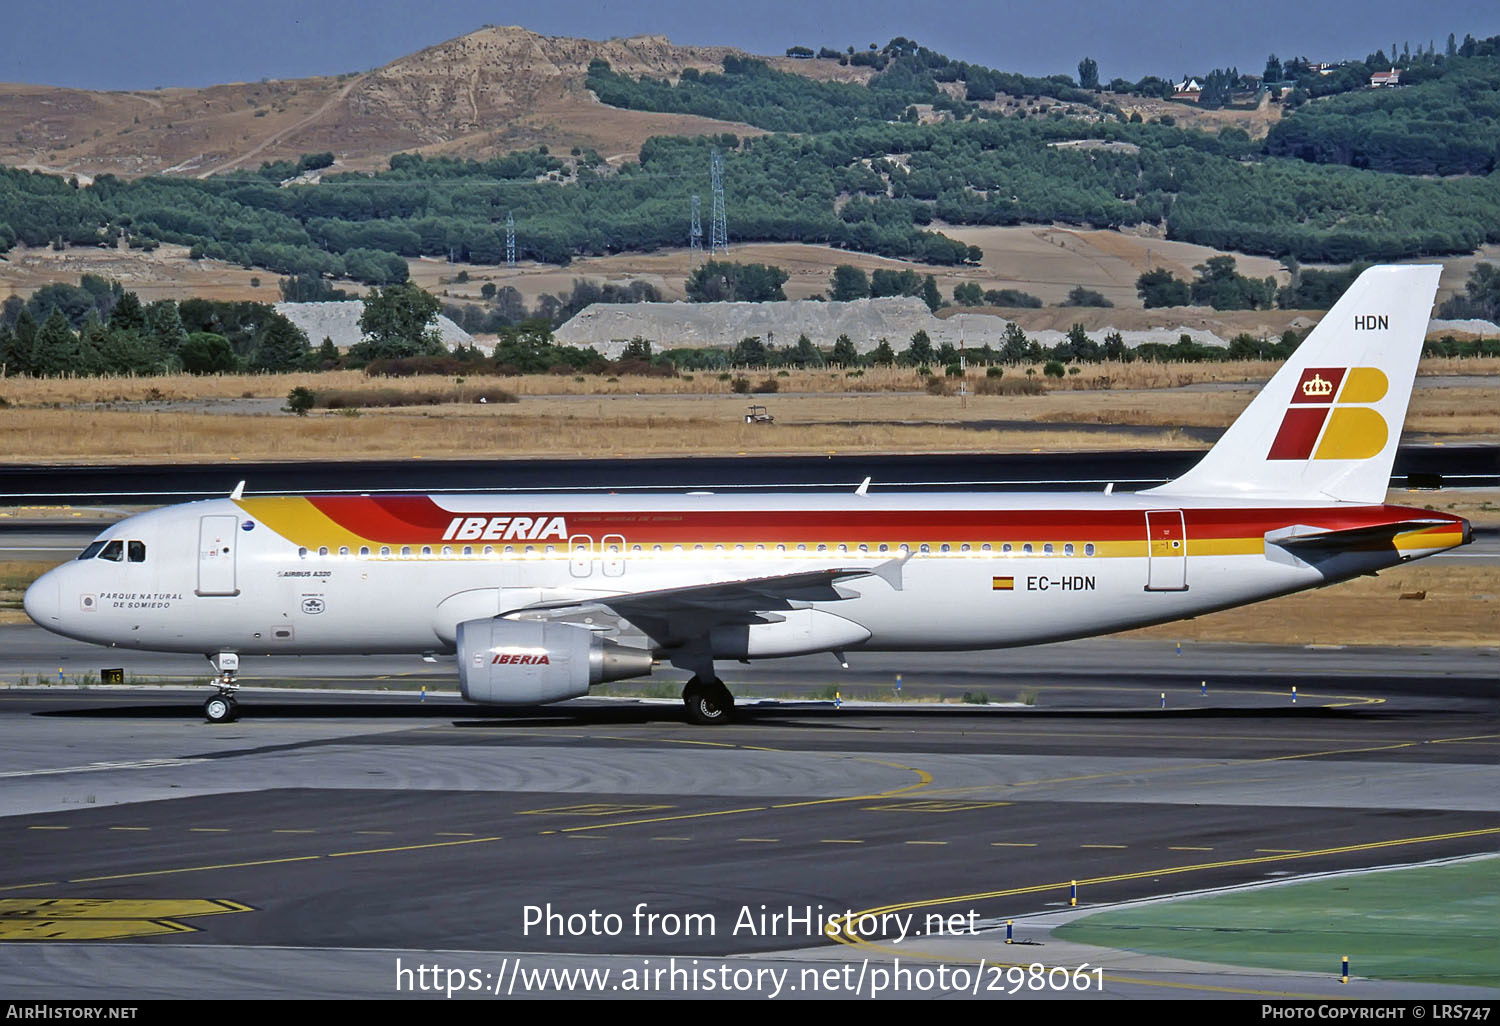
{"x":219,"y":709}
{"x":708,"y":703}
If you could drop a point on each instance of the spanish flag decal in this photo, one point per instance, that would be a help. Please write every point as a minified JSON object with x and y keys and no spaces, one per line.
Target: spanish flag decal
{"x":1002,"y":584}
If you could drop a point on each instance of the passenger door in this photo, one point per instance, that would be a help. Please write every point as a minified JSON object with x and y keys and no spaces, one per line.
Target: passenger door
{"x":1166,"y":555}
{"x":216,"y":563}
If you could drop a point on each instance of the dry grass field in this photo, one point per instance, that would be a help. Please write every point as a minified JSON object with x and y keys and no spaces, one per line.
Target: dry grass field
{"x":881,"y":410}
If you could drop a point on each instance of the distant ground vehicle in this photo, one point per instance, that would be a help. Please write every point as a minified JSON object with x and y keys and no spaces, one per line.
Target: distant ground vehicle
{"x":758,"y":415}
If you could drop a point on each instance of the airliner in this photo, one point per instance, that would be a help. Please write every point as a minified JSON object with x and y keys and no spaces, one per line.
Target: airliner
{"x":542,"y":597}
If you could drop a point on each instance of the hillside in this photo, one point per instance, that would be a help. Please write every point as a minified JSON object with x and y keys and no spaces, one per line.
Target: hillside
{"x":485,"y":93}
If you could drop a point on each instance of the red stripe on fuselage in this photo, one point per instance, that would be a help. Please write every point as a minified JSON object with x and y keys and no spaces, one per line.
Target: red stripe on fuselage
{"x":417,"y":519}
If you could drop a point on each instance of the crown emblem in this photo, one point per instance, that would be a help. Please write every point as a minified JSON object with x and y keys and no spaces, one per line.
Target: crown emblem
{"x":1317,"y":385}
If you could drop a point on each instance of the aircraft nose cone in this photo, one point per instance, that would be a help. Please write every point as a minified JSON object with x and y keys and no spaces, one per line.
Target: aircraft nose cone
{"x":43,"y":602}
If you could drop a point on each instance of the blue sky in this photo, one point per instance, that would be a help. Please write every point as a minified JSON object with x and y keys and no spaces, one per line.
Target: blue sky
{"x":141,"y":44}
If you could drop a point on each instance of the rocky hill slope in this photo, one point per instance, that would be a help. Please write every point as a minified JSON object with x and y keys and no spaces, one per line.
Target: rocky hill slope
{"x":488,"y":92}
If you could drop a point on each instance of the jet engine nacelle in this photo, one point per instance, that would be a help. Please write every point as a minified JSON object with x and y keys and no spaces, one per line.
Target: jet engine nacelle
{"x":522,"y":662}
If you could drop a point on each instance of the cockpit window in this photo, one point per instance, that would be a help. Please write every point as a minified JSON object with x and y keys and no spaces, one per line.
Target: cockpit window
{"x":136,"y":551}
{"x":91,"y":551}
{"x":114,"y":551}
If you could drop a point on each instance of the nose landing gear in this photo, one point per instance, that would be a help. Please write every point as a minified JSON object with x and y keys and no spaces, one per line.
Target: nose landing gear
{"x":222,"y":708}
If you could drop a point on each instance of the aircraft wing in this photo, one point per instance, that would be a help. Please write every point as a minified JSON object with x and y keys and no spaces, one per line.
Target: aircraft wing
{"x":675,"y":612}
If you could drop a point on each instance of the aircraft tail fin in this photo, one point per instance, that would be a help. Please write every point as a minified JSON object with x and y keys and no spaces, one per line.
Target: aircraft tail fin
{"x":1327,"y":424}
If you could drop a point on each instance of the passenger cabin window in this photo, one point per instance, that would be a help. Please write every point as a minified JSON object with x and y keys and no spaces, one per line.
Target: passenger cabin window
{"x":114,"y":551}
{"x":91,"y":551}
{"x":1088,"y":550}
{"x":136,"y":550}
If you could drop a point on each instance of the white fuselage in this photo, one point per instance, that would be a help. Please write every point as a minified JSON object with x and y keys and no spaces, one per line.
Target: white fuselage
{"x":963,"y":571}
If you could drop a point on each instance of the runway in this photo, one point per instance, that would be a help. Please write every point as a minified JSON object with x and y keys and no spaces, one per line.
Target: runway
{"x":305,"y":848}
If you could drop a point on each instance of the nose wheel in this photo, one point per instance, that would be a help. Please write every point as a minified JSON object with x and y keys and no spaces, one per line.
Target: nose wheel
{"x":221,"y":709}
{"x":708,"y":703}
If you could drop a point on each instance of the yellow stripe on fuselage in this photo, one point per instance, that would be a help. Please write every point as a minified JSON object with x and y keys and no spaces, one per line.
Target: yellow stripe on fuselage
{"x":300,"y":522}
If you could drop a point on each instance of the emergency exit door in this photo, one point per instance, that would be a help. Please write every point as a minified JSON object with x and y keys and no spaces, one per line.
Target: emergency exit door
{"x":216,"y":538}
{"x":1166,"y":551}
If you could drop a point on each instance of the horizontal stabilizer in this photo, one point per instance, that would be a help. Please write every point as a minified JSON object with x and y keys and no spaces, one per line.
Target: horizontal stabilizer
{"x":1300,"y":536}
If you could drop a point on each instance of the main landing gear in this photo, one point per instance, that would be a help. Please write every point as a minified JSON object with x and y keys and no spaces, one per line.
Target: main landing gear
{"x":222,"y":708}
{"x":709,"y":702}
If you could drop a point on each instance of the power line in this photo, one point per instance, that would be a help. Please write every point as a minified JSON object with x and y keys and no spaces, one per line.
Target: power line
{"x":695,"y":234}
{"x":718,"y":241}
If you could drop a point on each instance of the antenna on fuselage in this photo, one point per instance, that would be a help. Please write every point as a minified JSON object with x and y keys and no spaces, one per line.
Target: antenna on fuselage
{"x":864,"y":487}
{"x":1109,"y":489}
{"x":239,"y":491}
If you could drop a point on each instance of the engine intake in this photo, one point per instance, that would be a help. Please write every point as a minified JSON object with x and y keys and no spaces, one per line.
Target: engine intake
{"x":523,"y":662}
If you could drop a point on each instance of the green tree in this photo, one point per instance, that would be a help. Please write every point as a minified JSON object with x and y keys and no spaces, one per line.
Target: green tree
{"x":920,"y":352}
{"x":282,"y":347}
{"x":301,"y":399}
{"x":930,"y":294}
{"x":1088,"y":73}
{"x":1481,"y":296}
{"x":1160,"y":287}
{"x":638,"y":349}
{"x":204,"y":352}
{"x":1011,"y":297}
{"x":1081,"y":296}
{"x":844,"y":352}
{"x":1219,"y":285}
{"x":328,"y":355}
{"x":1273,"y":72}
{"x":127,"y":314}
{"x":55,"y":349}
{"x":1083,"y":347}
{"x":849,"y":283}
{"x":883,"y":355}
{"x":1015,"y":348}
{"x":721,"y":281}
{"x":398,"y":321}
{"x":805,"y":354}
{"x":12,"y":360}
{"x":164,"y":324}
{"x":968,"y":294}
{"x":749,"y":352}
{"x":309,"y":288}
{"x":1115,"y":348}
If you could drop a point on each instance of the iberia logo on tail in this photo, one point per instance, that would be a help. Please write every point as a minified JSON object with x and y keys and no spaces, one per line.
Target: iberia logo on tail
{"x":1330,"y":416}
